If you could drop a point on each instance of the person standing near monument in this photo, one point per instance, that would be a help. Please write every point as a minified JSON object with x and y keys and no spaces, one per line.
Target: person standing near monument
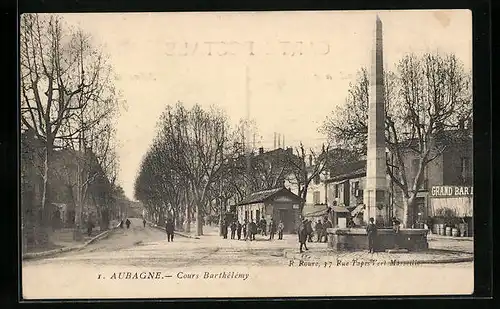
{"x":319,"y":230}
{"x":303,"y":235}
{"x":371,"y":231}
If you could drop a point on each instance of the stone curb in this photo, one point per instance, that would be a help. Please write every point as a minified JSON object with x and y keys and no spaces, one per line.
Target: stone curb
{"x":43,"y":254}
{"x":440,"y":237}
{"x":175,"y":232}
{"x":288,"y":254}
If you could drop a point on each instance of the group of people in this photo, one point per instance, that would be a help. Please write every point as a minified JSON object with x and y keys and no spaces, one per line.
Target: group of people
{"x":371,"y":231}
{"x":306,"y":232}
{"x":127,"y":223}
{"x":250,"y":228}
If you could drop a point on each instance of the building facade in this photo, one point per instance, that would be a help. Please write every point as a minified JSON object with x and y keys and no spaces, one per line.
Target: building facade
{"x":279,"y":204}
{"x":451,"y":168}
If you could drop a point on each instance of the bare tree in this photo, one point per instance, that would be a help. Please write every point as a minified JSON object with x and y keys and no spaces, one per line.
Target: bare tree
{"x":426,"y":95}
{"x":62,"y":74}
{"x":303,"y":172}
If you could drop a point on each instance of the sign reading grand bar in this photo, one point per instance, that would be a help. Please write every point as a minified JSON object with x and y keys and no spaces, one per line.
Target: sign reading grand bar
{"x":450,"y":191}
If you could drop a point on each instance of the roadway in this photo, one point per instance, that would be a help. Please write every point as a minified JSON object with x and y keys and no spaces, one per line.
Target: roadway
{"x":255,"y":269}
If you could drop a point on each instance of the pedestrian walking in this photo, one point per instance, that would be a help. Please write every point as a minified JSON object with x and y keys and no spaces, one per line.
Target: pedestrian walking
{"x":272,"y":229}
{"x":169,"y":228}
{"x":319,"y":230}
{"x":238,"y":229}
{"x":253,"y":230}
{"x":224,"y":229}
{"x":127,"y":223}
{"x":371,"y":231}
{"x":327,"y":224}
{"x":281,"y":227}
{"x":144,"y":222}
{"x":90,"y":226}
{"x":233,"y":230}
{"x":309,"y":230}
{"x":263,"y":226}
{"x":303,"y":234}
{"x":245,"y":229}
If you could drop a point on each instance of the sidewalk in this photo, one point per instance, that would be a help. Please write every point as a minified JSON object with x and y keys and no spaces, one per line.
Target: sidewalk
{"x":436,"y":236}
{"x":62,"y":242}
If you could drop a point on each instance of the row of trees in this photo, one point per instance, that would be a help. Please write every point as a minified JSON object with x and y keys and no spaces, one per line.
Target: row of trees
{"x":198,"y":164}
{"x":69,"y":103}
{"x":424,"y":96}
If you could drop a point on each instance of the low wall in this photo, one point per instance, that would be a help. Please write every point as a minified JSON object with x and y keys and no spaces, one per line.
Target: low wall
{"x":340,"y":239}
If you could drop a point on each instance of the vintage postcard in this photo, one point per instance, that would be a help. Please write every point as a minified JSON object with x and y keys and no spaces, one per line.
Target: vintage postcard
{"x":246,"y":154}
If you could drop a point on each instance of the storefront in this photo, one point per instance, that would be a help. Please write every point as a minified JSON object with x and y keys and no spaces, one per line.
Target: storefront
{"x":279,"y":204}
{"x":452,"y":207}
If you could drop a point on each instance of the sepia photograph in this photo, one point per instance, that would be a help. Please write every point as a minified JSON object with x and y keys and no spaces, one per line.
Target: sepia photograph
{"x":246,"y":154}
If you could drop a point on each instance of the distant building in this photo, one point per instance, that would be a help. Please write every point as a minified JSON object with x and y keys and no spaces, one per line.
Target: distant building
{"x":279,"y":204}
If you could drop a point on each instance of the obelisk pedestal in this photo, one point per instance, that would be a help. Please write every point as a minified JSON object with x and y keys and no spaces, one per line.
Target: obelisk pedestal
{"x":375,"y":194}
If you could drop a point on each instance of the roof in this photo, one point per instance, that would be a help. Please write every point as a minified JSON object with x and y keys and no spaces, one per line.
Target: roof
{"x":347,"y":171}
{"x":314,"y":210}
{"x":339,"y":209}
{"x":261,"y":196}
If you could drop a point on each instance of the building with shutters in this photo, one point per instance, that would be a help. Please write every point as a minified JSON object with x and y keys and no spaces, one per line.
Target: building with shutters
{"x":452,"y":169}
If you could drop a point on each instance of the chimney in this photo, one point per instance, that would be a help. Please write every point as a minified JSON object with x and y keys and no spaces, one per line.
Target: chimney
{"x":261,"y":150}
{"x":279,"y":140}
{"x":274,"y":140}
{"x":284,"y":141}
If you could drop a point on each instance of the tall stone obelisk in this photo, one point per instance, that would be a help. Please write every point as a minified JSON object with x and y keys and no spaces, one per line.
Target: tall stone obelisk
{"x":375,"y":191}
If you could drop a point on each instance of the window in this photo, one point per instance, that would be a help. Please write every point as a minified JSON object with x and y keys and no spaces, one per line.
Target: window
{"x":336,"y":189}
{"x":316,"y":197}
{"x":355,"y":186}
{"x":465,"y":169}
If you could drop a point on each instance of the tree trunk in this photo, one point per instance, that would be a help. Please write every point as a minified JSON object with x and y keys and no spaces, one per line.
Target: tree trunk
{"x":199,"y":220}
{"x":409,"y":210}
{"x":221,"y":217}
{"x":188,"y":215}
{"x":41,"y":233}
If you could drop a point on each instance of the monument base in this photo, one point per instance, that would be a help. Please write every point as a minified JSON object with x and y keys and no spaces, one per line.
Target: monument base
{"x":348,"y":239}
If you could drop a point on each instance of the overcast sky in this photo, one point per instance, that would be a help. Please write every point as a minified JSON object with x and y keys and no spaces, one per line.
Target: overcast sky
{"x":162,"y":58}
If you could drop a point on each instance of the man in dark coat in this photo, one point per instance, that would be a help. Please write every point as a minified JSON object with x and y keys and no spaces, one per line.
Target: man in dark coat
{"x":263,"y":226}
{"x":169,"y":228}
{"x":309,"y":229}
{"x":245,"y":229}
{"x":327,"y":224}
{"x":127,"y":223}
{"x":371,"y":231}
{"x":319,"y":230}
{"x":253,"y":230}
{"x":238,"y":229}
{"x":144,"y":222}
{"x":233,"y":229}
{"x":302,"y":232}
{"x":90,"y":226}
{"x":272,"y":229}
